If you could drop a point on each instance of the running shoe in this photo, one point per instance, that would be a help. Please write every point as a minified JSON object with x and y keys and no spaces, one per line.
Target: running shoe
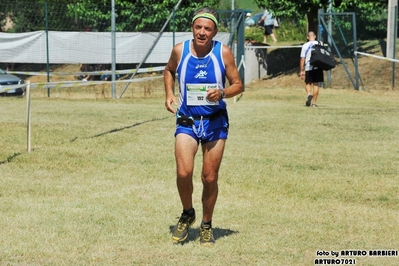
{"x":180,"y":231}
{"x":206,"y":236}
{"x":309,"y":101}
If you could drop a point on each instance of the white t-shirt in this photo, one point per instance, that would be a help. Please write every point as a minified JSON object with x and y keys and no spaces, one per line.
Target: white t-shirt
{"x":269,"y":20}
{"x":306,"y":53}
{"x":249,"y":22}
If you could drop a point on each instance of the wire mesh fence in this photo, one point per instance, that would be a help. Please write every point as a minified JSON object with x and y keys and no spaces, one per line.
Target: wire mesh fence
{"x":43,"y":37}
{"x":340,"y":31}
{"x":85,"y":18}
{"x":24,"y":16}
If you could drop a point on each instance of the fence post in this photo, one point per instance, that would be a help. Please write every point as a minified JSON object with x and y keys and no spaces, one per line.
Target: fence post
{"x":394,"y":46}
{"x":113,"y":44}
{"x":28,"y":134}
{"x":47,"y":46}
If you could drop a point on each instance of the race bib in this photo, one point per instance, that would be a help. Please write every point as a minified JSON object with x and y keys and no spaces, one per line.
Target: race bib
{"x":196,"y":94}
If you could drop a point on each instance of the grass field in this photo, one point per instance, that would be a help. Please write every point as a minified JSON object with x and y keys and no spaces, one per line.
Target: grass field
{"x":98,"y":187}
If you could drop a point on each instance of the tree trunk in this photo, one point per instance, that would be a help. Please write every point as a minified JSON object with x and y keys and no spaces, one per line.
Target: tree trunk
{"x":312,"y":18}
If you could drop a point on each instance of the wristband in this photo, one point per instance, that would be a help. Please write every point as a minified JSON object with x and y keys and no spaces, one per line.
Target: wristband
{"x":222,"y":93}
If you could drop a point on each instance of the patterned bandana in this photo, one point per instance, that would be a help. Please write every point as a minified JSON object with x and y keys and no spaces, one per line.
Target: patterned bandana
{"x":206,"y":15}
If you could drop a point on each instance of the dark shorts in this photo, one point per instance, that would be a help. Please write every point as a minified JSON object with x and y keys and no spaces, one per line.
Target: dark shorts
{"x":313,"y":76}
{"x":269,"y":29}
{"x":206,"y":130}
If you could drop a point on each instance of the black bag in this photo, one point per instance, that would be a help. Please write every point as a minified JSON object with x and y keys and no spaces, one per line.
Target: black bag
{"x":322,"y":58}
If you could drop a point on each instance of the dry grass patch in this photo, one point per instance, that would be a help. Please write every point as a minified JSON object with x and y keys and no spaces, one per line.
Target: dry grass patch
{"x":99,"y":186}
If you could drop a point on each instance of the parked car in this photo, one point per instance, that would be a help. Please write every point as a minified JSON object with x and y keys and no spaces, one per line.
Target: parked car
{"x":9,"y":80}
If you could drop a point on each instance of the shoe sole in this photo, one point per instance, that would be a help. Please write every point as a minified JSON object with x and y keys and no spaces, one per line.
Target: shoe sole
{"x":207,"y":244}
{"x":179,"y":240}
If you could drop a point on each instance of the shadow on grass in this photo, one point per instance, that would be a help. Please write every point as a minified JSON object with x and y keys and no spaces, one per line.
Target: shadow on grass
{"x":122,"y":128}
{"x":193,"y":233}
{"x":9,"y":159}
{"x":282,"y":62}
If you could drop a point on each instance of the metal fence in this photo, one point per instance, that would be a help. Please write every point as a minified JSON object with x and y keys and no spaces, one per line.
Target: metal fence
{"x":340,"y":32}
{"x":24,"y":16}
{"x":49,"y":30}
{"x":67,"y":22}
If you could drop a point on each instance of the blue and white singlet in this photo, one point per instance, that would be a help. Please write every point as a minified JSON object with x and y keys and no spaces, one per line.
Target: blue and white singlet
{"x":195,"y":75}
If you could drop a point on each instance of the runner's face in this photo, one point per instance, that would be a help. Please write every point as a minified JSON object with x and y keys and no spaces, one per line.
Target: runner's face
{"x":203,"y":30}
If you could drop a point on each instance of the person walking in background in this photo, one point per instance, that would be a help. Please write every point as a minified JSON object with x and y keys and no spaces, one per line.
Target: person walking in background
{"x":312,"y":75}
{"x":249,"y":21}
{"x":267,"y":21}
{"x":202,"y":65}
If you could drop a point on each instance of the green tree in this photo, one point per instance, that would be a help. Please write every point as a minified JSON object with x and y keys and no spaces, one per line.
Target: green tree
{"x":301,"y":9}
{"x":308,"y":9}
{"x":131,"y":15}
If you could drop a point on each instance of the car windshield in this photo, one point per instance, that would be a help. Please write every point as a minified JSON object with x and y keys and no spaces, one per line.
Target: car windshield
{"x":2,"y":71}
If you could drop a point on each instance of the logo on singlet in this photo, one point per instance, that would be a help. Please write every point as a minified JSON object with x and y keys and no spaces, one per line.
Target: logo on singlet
{"x":201,"y":74}
{"x":201,"y":66}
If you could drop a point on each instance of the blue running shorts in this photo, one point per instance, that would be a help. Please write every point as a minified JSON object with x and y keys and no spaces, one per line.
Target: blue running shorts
{"x":206,"y":130}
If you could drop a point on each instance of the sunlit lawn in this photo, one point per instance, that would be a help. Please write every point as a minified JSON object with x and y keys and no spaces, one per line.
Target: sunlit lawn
{"x":98,"y":187}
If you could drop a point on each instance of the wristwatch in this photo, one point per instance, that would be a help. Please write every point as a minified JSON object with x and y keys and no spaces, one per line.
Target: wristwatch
{"x":222,"y":93}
